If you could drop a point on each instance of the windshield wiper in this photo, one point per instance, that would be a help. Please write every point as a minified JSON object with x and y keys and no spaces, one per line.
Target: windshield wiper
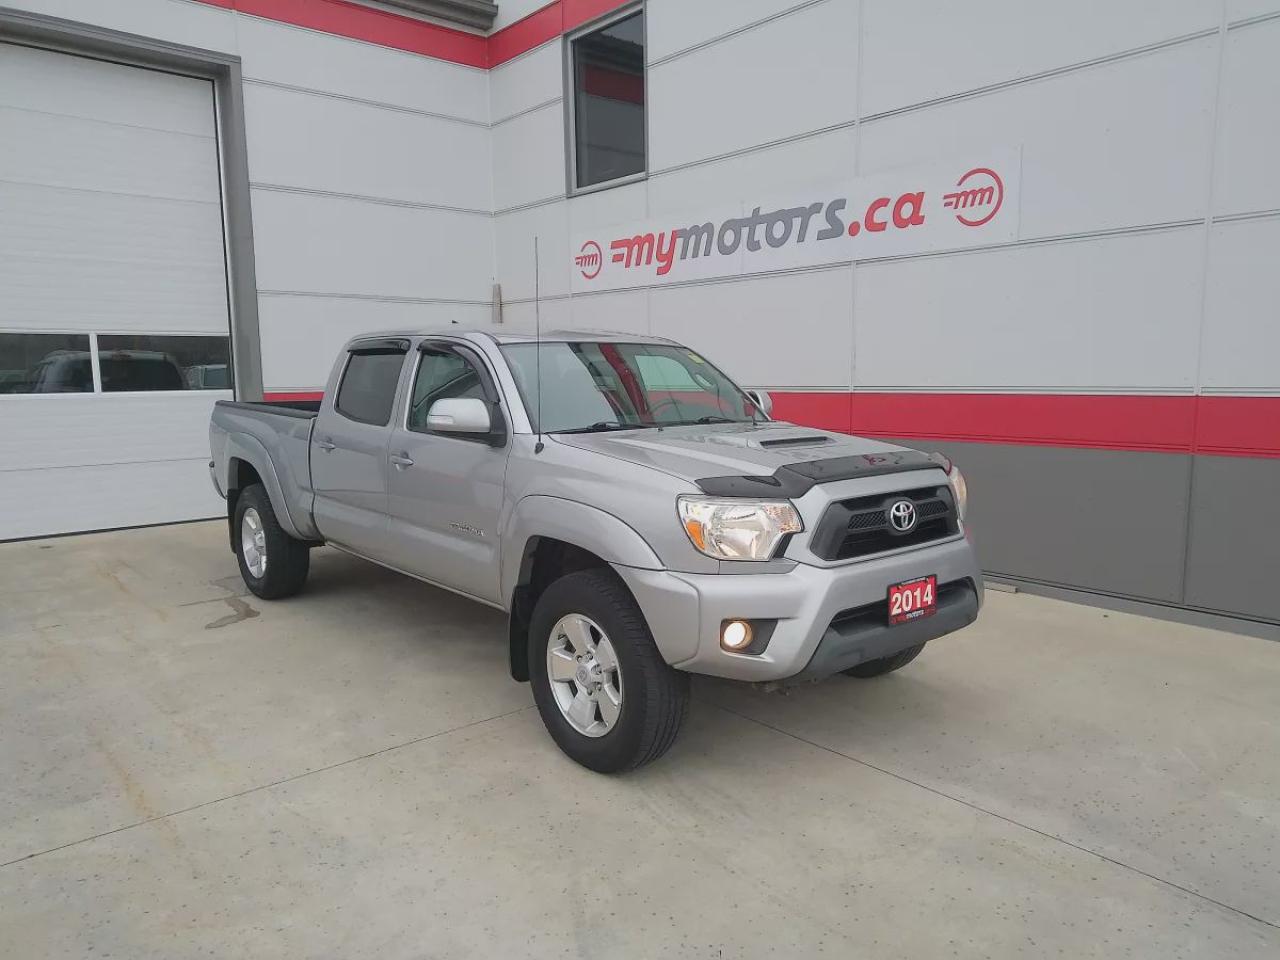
{"x":600,"y":426}
{"x":710,"y":418}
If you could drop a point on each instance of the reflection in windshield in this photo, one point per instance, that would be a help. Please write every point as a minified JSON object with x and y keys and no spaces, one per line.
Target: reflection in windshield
{"x":590,"y":386}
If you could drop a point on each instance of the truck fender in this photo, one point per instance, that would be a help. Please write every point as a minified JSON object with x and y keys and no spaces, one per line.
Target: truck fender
{"x":587,"y":527}
{"x":242,"y":446}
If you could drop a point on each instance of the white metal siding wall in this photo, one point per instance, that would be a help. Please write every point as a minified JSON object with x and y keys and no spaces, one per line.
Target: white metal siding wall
{"x":110,"y":222}
{"x":371,"y":178}
{"x":1150,"y":224}
{"x":1112,"y":104}
{"x":372,"y":193}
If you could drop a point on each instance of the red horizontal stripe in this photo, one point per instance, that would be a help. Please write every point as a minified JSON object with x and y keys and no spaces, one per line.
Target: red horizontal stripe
{"x":578,"y":12}
{"x":537,"y":28}
{"x":346,"y":19}
{"x":1238,"y":426}
{"x":1212,"y":426}
{"x":286,"y":397}
{"x":613,"y":84}
{"x":1228,"y":426}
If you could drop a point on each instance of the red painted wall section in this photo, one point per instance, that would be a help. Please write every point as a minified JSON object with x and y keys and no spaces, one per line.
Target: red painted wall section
{"x":288,"y":397}
{"x":545,"y":23}
{"x":345,"y":19}
{"x":826,"y":411}
{"x":1213,"y":426}
{"x":1223,"y":426}
{"x":1062,"y":420}
{"x":542,"y":25}
{"x":1239,"y":426}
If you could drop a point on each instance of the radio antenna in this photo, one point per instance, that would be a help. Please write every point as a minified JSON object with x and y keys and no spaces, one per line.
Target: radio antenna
{"x":537,"y":344}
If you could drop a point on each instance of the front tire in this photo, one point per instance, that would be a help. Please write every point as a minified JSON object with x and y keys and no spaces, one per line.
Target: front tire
{"x":606,"y":696}
{"x":878,"y":668}
{"x":272,"y":563}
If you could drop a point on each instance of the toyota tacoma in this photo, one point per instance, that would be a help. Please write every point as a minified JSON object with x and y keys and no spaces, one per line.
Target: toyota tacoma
{"x":636,"y":514}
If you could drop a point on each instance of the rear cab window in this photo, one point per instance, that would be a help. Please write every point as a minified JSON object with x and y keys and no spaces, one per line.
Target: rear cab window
{"x":368,"y":389}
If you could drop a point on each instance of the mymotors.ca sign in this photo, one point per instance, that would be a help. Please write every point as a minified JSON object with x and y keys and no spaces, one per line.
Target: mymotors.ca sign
{"x":901,"y":212}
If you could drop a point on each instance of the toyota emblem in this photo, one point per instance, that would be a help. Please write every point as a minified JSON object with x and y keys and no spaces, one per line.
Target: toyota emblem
{"x":902,"y":516}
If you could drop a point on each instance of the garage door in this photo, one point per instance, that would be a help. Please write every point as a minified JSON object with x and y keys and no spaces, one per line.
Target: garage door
{"x":114,"y":331}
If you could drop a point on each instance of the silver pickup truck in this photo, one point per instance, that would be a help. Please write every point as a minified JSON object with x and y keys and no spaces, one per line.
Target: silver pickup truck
{"x":637,"y":515}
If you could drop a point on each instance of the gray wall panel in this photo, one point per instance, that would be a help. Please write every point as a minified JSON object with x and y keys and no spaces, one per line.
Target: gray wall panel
{"x":1105,"y":520}
{"x":1234,"y":553}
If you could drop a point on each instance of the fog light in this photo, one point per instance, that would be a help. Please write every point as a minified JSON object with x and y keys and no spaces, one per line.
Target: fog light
{"x":735,"y":635}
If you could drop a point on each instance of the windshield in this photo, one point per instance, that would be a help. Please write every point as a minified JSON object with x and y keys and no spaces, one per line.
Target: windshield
{"x":612,"y":386}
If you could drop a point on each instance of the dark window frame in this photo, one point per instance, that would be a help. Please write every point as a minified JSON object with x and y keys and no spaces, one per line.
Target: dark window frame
{"x":358,"y":351}
{"x":496,"y":436}
{"x":97,"y":352}
{"x":101,"y":352}
{"x":57,"y":351}
{"x":571,"y":95}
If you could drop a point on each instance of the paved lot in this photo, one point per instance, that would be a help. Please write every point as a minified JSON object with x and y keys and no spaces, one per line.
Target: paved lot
{"x":186,"y":771}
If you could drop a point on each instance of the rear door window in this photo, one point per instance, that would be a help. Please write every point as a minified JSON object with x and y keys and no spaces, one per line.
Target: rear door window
{"x":368,"y":389}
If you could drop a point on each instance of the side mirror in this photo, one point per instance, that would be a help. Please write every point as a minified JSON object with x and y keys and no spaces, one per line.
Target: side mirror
{"x":459,"y":415}
{"x":762,"y":400}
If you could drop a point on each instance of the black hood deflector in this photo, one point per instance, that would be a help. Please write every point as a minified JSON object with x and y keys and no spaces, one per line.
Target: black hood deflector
{"x":797,"y":479}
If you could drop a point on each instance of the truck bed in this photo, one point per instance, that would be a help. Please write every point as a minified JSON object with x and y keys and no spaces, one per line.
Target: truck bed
{"x":273,"y":438}
{"x":290,"y":408}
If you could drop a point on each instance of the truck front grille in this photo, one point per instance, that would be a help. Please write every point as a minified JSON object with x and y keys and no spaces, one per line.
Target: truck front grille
{"x":860,"y":526}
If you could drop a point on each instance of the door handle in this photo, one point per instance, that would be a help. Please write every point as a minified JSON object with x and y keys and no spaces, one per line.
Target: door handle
{"x":400,"y":461}
{"x":325,"y":444}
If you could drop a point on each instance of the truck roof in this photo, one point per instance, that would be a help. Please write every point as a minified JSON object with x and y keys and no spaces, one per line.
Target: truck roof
{"x":504,"y":336}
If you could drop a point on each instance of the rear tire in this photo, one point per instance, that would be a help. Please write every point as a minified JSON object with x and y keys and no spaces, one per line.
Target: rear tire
{"x":619,"y":664}
{"x":272,"y":563}
{"x":878,"y":668}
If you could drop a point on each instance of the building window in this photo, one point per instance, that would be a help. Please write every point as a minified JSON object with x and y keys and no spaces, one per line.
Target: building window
{"x":45,"y":363}
{"x":125,"y":363}
{"x":142,"y":362}
{"x":607,"y":67}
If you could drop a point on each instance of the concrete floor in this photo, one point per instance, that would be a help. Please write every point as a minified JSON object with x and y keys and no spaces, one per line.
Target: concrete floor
{"x":186,"y":771}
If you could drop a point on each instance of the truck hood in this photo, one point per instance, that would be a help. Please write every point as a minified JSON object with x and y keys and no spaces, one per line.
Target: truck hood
{"x":739,"y":449}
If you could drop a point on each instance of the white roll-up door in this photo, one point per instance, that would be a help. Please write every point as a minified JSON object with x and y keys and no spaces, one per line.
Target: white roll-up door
{"x":114,"y":331}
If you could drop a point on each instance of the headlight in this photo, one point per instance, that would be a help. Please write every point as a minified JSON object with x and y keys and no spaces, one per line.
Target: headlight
{"x":729,"y":529}
{"x":959,"y":489}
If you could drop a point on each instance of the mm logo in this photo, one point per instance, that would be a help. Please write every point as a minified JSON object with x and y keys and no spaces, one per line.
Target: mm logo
{"x":980,"y":193}
{"x":589,"y":260}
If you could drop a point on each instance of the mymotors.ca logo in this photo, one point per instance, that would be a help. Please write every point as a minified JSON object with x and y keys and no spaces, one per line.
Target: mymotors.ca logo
{"x":589,"y":260}
{"x":975,"y":200}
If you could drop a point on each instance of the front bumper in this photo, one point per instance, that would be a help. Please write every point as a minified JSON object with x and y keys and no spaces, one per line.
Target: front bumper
{"x":805,"y":601}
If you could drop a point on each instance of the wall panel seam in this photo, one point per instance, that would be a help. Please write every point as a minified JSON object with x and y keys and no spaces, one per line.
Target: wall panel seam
{"x":365,"y":198}
{"x":1105,"y":60}
{"x":298,"y":28}
{"x":33,"y":468}
{"x":374,"y":297}
{"x":98,"y":121}
{"x":1254,"y":21}
{"x":1246,"y":215}
{"x":1205,"y":247}
{"x":366,"y":102}
{"x":950,"y":98}
{"x":527,"y":110}
{"x":736,"y":32}
{"x":109,"y":193}
{"x":531,"y":204}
